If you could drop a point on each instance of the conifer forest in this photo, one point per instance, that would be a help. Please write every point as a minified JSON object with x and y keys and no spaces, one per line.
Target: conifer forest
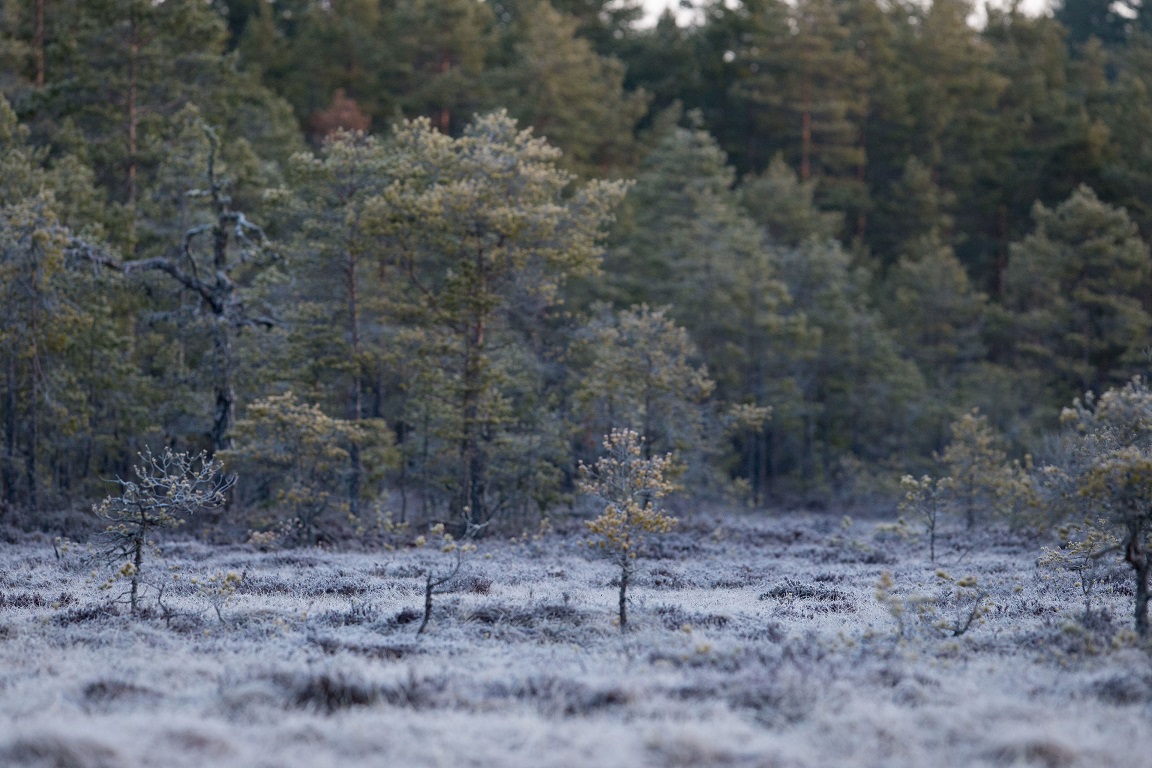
{"x":543,"y":383}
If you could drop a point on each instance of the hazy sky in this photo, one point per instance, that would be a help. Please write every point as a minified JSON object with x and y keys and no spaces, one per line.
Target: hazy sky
{"x":655,"y":7}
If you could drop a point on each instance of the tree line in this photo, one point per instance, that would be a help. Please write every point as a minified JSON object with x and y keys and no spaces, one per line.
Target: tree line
{"x":415,"y":258}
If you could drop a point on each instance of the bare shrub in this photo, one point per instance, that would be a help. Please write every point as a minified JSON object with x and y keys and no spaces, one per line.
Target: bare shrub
{"x":674,"y":617}
{"x":167,"y":488}
{"x":57,"y":751}
{"x":1124,"y":690}
{"x":437,"y":575}
{"x":328,"y":692}
{"x":103,"y":692}
{"x":554,"y":696}
{"x":795,"y":590}
{"x":417,"y":692}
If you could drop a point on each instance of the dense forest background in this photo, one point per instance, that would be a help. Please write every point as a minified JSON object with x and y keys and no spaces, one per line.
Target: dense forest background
{"x":314,"y":239}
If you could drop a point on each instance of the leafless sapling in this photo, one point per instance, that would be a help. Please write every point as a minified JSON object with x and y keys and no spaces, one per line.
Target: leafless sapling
{"x":166,"y":489}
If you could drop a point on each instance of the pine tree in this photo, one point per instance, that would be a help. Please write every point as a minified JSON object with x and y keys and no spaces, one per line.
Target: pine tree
{"x":810,"y":87}
{"x":912,"y":213}
{"x":337,"y":347}
{"x":937,"y":316}
{"x":630,"y":481}
{"x":641,"y":375}
{"x":220,"y":253}
{"x":443,"y":48}
{"x":478,"y":230}
{"x":127,"y":69}
{"x":571,"y":95}
{"x":1105,"y":471}
{"x":784,"y":206}
{"x":309,"y":52}
{"x":854,"y":391}
{"x":685,"y":241}
{"x":59,"y":350}
{"x":1074,"y":287}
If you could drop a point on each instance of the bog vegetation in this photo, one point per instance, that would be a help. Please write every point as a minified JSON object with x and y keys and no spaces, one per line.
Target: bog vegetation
{"x":407,"y":264}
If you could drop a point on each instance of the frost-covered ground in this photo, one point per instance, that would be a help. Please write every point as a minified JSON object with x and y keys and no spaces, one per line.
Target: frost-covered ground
{"x":757,"y":642}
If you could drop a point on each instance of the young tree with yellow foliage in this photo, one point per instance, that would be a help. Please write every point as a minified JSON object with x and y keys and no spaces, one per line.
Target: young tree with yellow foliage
{"x":629,"y":484}
{"x":301,"y":459}
{"x":977,"y":477}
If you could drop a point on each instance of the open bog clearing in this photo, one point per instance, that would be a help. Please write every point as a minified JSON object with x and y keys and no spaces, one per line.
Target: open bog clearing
{"x":754,"y":642}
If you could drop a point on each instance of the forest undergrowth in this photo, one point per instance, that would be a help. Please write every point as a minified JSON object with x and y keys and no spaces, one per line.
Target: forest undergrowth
{"x":783,"y":640}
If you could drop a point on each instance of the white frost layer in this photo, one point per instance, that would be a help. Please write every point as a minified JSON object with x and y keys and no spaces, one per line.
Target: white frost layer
{"x":757,"y":642}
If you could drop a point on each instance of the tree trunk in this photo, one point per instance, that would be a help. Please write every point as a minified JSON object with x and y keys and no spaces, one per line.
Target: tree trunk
{"x":806,"y":131}
{"x":225,"y":415}
{"x":39,"y":44}
{"x":357,"y":384}
{"x":133,"y":117}
{"x":471,"y":455}
{"x":1001,"y":250}
{"x":444,"y":116}
{"x":1136,"y":556}
{"x":137,"y":564}
{"x":34,"y":375}
{"x":624,"y":595}
{"x":425,"y":458}
{"x":427,"y":604}
{"x":9,"y":471}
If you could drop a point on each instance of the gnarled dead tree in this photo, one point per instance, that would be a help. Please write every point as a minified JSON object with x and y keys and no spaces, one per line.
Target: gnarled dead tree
{"x":204,"y":263}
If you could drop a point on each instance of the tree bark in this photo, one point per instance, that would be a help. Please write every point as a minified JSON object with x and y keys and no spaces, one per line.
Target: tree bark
{"x":806,"y":131}
{"x":1136,"y":556}
{"x":39,"y":44}
{"x":137,"y":564}
{"x":225,"y":415}
{"x":34,"y":375}
{"x":9,"y":473}
{"x":428,"y":586}
{"x":624,"y":596}
{"x":471,"y":458}
{"x":471,"y":455}
{"x":357,"y":384}
{"x":133,"y":117}
{"x":444,"y":116}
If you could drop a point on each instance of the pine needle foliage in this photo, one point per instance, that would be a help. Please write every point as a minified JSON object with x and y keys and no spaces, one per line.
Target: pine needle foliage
{"x":299,"y":459}
{"x":1105,"y":474}
{"x":629,"y":485}
{"x":167,"y":488}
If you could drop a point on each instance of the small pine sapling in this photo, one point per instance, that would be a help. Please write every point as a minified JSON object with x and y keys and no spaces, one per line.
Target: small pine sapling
{"x":967,"y":597}
{"x":922,"y":499}
{"x":1083,"y":555}
{"x":456,"y":549}
{"x":629,"y":485}
{"x":970,"y":602}
{"x":218,"y":589}
{"x":167,"y":488}
{"x":902,"y":608}
{"x":975,"y":468}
